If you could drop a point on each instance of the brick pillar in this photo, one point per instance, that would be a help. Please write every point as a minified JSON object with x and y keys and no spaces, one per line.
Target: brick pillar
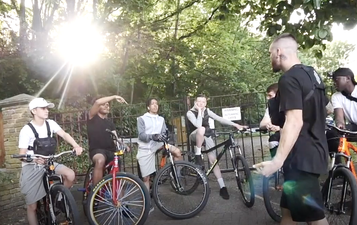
{"x":15,"y":115}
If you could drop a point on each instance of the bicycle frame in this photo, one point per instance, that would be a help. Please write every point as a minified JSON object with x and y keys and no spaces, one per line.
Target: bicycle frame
{"x":228,"y":144}
{"x":344,"y":149}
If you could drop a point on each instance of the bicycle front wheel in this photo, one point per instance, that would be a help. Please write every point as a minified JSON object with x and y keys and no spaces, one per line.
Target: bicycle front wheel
{"x":272,"y":191}
{"x":340,"y":197}
{"x":64,"y":206}
{"x":244,"y":180}
{"x":131,"y":206}
{"x":186,"y":184}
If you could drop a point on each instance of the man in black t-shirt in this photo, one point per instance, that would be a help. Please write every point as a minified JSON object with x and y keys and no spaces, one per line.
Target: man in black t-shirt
{"x":302,"y":151}
{"x":101,"y":145}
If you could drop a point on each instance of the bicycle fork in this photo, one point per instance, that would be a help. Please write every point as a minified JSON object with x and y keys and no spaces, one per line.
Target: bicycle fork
{"x":175,"y":175}
{"x":341,"y":208}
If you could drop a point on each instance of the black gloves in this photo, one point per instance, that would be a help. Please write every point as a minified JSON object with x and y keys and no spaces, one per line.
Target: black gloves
{"x":158,"y":137}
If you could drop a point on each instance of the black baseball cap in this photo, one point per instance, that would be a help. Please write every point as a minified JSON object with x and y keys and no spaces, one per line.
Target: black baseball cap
{"x":344,"y":72}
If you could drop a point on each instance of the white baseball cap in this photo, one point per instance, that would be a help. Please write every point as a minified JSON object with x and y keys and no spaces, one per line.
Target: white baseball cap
{"x":39,"y":103}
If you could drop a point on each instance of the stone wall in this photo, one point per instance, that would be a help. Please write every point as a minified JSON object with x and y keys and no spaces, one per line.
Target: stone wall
{"x":15,"y":116}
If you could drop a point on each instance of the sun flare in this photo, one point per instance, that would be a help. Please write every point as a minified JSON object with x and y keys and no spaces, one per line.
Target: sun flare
{"x":79,"y":43}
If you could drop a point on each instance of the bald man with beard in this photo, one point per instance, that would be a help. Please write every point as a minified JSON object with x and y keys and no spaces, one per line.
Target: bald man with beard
{"x":302,"y":151}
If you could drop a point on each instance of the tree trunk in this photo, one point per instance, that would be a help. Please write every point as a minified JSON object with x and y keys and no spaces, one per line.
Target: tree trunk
{"x":22,"y":31}
{"x":173,"y":66}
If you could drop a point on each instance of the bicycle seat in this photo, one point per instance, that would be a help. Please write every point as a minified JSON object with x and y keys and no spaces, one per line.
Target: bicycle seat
{"x":342,"y":131}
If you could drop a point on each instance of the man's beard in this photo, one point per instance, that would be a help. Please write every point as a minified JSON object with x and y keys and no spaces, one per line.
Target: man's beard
{"x":275,"y":67}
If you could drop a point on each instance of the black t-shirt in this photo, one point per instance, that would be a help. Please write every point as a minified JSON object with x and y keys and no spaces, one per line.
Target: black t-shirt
{"x":310,"y":152}
{"x":98,"y":138}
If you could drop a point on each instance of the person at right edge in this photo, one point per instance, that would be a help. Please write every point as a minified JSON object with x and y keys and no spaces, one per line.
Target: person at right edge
{"x":344,"y":103}
{"x":302,"y":151}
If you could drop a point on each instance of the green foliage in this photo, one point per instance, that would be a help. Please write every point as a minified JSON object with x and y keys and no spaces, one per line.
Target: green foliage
{"x":310,"y":30}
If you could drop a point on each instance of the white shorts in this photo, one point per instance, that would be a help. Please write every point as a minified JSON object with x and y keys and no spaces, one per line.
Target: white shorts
{"x":146,"y":159}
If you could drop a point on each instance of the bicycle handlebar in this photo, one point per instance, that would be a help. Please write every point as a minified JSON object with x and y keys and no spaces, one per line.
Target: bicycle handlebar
{"x":342,"y":130}
{"x":234,"y":131}
{"x":119,"y":146}
{"x":34,"y":156}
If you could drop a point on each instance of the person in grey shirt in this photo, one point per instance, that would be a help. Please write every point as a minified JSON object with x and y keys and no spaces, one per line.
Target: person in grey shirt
{"x":151,"y":127}
{"x":200,"y":132}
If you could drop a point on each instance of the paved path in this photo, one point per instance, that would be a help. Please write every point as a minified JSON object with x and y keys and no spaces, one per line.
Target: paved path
{"x":217,"y":210}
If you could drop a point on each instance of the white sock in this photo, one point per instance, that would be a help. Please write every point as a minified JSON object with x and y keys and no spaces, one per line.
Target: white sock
{"x":221,"y":182}
{"x":197,"y":150}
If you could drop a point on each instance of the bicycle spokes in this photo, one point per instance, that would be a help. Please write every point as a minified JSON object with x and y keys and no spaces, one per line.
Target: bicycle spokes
{"x":127,"y":207}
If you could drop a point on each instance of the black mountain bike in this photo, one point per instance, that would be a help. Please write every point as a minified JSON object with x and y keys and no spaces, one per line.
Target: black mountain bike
{"x":180,"y":188}
{"x":58,"y":206}
{"x":239,"y":164}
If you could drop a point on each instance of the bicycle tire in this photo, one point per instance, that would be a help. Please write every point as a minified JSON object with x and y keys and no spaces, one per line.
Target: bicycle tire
{"x":276,"y":216}
{"x":71,"y":203}
{"x":167,"y":169}
{"x":249,"y":202}
{"x":86,"y":189}
{"x":343,"y":172}
{"x":107,"y":180}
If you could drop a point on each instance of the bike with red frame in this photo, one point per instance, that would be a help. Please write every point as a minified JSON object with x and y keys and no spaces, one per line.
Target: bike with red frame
{"x":119,"y":198}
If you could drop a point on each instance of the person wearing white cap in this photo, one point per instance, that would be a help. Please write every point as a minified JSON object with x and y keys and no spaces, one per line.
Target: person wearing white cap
{"x":41,"y":130}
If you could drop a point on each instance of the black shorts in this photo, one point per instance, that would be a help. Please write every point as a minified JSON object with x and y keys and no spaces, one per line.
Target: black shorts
{"x":302,"y":196}
{"x":108,"y":155}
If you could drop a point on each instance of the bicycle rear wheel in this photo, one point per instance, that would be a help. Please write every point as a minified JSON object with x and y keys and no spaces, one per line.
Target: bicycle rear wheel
{"x":186,"y":184}
{"x":64,"y":205}
{"x":342,"y":206}
{"x":133,"y":201}
{"x":272,"y":191}
{"x":244,"y":180}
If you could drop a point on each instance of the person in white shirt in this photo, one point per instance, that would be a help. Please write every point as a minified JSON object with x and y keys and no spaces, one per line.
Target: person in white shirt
{"x":31,"y":182}
{"x":345,"y":108}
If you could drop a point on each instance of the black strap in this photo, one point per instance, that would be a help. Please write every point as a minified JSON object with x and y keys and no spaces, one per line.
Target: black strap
{"x":314,"y":85}
{"x":48,"y":129}
{"x":349,"y":96}
{"x":34,"y":130}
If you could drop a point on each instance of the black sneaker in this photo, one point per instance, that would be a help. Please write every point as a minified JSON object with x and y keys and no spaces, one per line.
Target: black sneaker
{"x":199,"y":161}
{"x":224,"y":193}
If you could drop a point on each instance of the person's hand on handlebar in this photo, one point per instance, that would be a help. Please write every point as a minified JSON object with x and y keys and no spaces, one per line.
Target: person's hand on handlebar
{"x":158,"y":137}
{"x":341,"y":125}
{"x":78,"y":150}
{"x":240,"y":127}
{"x":272,"y":127}
{"x":40,"y":161}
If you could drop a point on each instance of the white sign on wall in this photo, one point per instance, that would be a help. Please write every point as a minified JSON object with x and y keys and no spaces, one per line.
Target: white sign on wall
{"x":231,"y":113}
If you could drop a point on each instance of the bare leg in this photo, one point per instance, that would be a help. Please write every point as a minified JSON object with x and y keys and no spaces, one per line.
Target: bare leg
{"x":68,"y":176}
{"x":31,"y":214}
{"x":200,"y":136}
{"x":99,"y":164}
{"x":286,"y":217}
{"x":146,"y":181}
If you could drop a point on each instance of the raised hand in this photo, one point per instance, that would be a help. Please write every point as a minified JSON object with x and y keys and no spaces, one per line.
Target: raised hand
{"x":120,"y":99}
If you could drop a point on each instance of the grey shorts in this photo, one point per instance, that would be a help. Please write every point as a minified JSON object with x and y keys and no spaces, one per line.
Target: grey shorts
{"x":209,"y":143}
{"x":31,"y":182}
{"x":146,"y":159}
